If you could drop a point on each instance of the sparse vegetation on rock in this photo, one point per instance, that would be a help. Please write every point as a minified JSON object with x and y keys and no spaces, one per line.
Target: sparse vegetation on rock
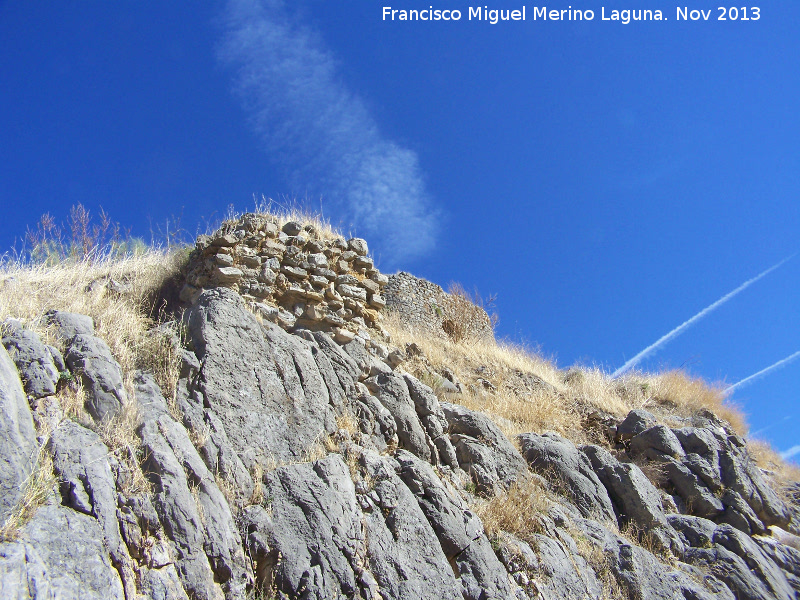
{"x":256,"y":418}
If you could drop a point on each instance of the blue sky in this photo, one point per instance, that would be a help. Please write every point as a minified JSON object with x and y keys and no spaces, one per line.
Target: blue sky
{"x":606,"y":181}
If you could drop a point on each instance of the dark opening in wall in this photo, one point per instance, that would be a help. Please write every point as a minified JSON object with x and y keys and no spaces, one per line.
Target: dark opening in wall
{"x":449,"y":328}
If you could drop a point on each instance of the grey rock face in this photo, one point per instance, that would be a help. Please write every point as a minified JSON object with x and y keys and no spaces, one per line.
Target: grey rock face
{"x":375,"y":421}
{"x":459,"y":530}
{"x":359,"y":524}
{"x":60,"y":555}
{"x":785,"y":557}
{"x":738,"y":561}
{"x":739,"y":514}
{"x":635,"y":423}
{"x":565,"y":467}
{"x":698,"y":498}
{"x":81,"y":460}
{"x":162,"y":584}
{"x":481,"y":448}
{"x":758,"y":562}
{"x":316,"y":538}
{"x":17,"y":436}
{"x":392,"y":392}
{"x":636,"y":499}
{"x":659,"y":440}
{"x":717,"y":478}
{"x":554,"y":570}
{"x":34,"y":360}
{"x":68,"y":324}
{"x":90,"y":358}
{"x":710,"y":469}
{"x":432,"y":417}
{"x":699,"y":441}
{"x":641,"y":575}
{"x":358,"y":352}
{"x":196,"y":519}
{"x":739,"y":473}
{"x":345,"y":368}
{"x":695,"y":532}
{"x":263,"y":384}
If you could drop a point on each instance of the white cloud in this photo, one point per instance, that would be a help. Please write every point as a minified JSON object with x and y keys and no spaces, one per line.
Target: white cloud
{"x":321,"y":132}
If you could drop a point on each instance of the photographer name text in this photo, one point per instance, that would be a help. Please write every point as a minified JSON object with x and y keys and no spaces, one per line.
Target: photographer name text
{"x":543,"y":13}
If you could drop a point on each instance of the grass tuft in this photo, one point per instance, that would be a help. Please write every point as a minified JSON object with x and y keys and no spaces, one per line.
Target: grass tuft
{"x":38,"y":489}
{"x":525,"y":392}
{"x":516,"y":510}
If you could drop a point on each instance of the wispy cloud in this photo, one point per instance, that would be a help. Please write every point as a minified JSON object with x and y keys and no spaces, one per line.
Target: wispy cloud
{"x":790,"y":453}
{"x":781,"y":363}
{"x":686,"y":324}
{"x":321,"y":132}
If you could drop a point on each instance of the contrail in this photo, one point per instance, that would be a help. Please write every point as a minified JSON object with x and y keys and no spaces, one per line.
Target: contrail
{"x":790,"y":453}
{"x":762,"y":372}
{"x":321,"y":132}
{"x":768,"y":427}
{"x":685,"y":325}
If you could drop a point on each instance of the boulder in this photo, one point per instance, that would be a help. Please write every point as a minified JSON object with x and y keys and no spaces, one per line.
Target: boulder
{"x":392,"y":392}
{"x":481,"y":448}
{"x":639,"y":574}
{"x":569,"y":471}
{"x":695,"y":532}
{"x":554,"y":570}
{"x":18,"y":449}
{"x":315,"y":537}
{"x":60,"y":554}
{"x":193,"y":511}
{"x":68,"y":324}
{"x":459,"y":530}
{"x":35,"y":362}
{"x":636,"y":500}
{"x":90,"y":359}
{"x":636,"y":422}
{"x":262,"y":383}
{"x":432,"y":417}
{"x":737,"y":560}
{"x":656,"y":442}
{"x":87,"y":484}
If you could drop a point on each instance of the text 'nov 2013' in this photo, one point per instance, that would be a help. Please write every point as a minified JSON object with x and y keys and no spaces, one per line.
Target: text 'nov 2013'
{"x":544,"y":13}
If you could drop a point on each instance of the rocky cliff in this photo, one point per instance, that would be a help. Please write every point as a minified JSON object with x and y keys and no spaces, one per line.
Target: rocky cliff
{"x":277,"y":433}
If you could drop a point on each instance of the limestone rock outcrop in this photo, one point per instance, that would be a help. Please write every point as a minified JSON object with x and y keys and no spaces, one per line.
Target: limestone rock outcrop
{"x":297,"y":459}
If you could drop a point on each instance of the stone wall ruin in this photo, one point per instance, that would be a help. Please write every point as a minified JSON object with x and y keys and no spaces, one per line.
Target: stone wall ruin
{"x":427,"y":308}
{"x":302,"y":276}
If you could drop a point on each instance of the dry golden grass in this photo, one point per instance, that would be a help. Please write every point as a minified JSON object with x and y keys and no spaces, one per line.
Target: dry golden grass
{"x":515,"y":511}
{"x":119,"y":435}
{"x":517,"y":409}
{"x":783,"y":474}
{"x":282,"y":213}
{"x":685,"y":395}
{"x":527,"y":392}
{"x":38,"y":489}
{"x":27,"y":292}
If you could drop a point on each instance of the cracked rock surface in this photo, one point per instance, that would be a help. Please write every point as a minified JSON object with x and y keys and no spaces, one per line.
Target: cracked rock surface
{"x":302,"y":461}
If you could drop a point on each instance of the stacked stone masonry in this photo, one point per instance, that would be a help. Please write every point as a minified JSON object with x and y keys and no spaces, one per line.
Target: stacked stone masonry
{"x":296,"y":276}
{"x":429,"y":309}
